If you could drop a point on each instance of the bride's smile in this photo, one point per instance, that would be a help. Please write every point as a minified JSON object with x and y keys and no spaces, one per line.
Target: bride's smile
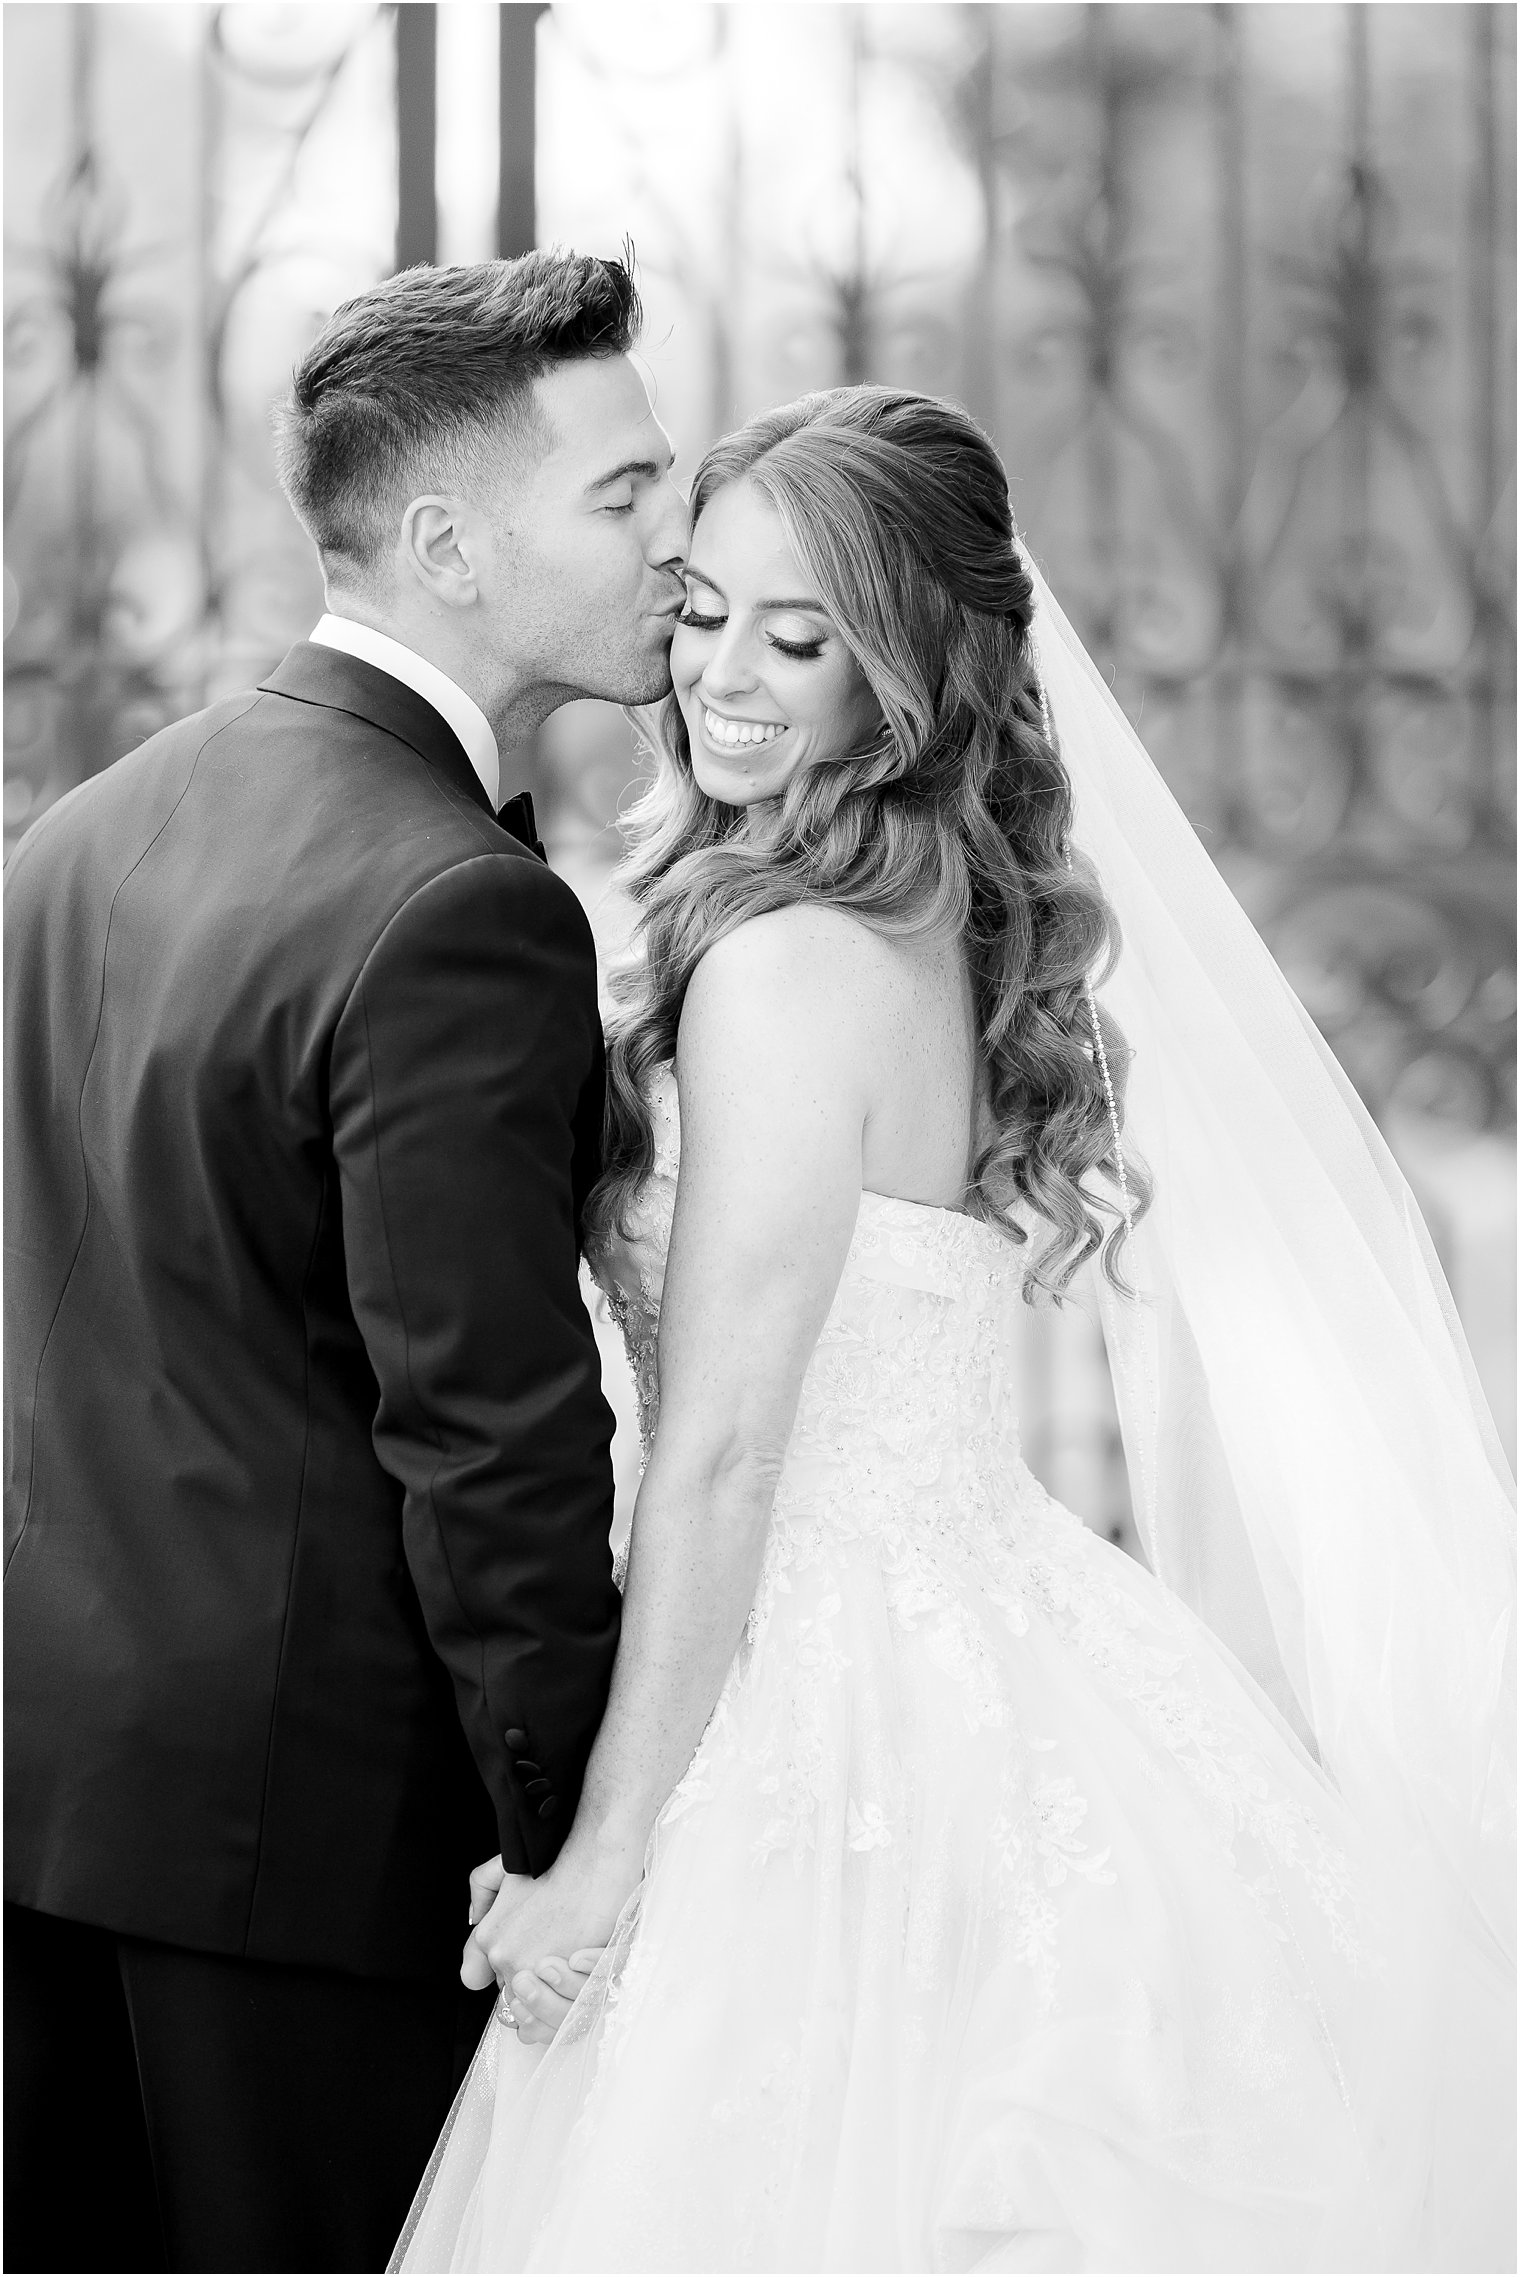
{"x":764,"y":679}
{"x":728,"y":733}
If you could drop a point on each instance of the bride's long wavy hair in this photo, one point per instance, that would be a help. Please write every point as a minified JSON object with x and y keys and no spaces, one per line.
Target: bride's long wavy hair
{"x":955,"y":820}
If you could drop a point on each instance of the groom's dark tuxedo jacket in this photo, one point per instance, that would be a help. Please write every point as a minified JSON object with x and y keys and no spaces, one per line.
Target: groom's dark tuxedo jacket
{"x":309,"y":1603}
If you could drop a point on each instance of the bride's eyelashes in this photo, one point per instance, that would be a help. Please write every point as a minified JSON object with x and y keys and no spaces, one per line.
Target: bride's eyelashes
{"x":806,"y":650}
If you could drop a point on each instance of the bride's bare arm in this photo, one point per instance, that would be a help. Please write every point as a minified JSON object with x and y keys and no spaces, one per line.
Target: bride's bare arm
{"x":774,"y":1090}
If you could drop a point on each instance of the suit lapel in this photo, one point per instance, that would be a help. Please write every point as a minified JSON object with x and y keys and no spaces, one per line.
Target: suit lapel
{"x":313,"y":674}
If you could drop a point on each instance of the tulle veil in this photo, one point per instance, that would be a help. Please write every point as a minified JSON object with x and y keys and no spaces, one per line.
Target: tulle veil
{"x":1314,"y":1468}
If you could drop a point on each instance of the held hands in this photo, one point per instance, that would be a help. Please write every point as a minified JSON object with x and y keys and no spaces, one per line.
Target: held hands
{"x":520,"y":1926}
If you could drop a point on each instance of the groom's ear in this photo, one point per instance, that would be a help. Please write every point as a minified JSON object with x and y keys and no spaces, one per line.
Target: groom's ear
{"x":437,"y":548}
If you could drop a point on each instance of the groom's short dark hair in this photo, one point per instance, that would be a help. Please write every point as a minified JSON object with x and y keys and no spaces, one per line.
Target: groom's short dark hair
{"x":406,"y":381}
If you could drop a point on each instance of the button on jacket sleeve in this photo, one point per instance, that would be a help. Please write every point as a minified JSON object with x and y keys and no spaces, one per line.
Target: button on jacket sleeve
{"x":465,"y":1065}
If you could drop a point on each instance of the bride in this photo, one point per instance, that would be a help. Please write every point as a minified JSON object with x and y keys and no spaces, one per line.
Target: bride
{"x":972,"y":1896}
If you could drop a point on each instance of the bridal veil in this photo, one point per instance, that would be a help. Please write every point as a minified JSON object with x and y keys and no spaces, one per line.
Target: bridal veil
{"x":1313,"y":1466}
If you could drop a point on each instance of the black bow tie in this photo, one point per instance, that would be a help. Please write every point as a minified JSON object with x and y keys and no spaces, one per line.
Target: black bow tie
{"x":517,"y":818}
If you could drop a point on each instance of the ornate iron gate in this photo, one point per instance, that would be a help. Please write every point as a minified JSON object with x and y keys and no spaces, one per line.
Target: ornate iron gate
{"x":1232,"y":286}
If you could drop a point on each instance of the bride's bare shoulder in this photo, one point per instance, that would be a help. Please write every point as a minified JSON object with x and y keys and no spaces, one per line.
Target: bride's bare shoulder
{"x":807,"y":965}
{"x":772,"y":1059}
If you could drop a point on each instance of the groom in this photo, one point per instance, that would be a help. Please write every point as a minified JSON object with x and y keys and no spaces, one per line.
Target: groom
{"x":309,"y":1603}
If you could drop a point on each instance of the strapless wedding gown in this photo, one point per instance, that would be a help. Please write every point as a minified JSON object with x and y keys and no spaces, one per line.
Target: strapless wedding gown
{"x":999,"y":1922}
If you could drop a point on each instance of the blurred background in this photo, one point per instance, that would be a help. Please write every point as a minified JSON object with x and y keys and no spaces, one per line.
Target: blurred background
{"x":1232,"y":287}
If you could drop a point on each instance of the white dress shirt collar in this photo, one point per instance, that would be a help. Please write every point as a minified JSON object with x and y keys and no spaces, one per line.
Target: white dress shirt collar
{"x":448,"y":699}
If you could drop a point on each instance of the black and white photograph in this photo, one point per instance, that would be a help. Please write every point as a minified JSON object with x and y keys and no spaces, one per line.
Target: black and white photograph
{"x":759,"y":1136}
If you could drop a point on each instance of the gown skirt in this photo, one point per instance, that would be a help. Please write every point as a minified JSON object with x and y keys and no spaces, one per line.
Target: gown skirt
{"x":1000,"y":1922}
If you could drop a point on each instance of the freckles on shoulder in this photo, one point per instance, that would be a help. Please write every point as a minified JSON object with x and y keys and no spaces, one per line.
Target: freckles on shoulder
{"x":812,"y":964}
{"x":781,"y":1003}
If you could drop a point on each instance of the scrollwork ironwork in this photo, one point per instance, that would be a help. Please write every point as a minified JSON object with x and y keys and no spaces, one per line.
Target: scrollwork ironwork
{"x":152,"y":561}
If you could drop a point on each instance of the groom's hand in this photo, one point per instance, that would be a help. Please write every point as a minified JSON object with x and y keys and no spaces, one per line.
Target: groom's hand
{"x":525,"y":1920}
{"x":543,"y":1996}
{"x":485,"y":1881}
